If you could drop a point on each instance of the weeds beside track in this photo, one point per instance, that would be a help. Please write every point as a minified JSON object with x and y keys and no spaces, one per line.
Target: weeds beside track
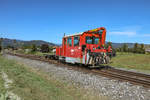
{"x":106,"y":71}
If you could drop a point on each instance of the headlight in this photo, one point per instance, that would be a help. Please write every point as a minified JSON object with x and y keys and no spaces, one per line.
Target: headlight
{"x":94,"y":48}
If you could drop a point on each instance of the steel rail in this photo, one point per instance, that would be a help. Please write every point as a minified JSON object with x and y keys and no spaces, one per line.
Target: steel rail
{"x":123,"y":77}
{"x":131,"y":73}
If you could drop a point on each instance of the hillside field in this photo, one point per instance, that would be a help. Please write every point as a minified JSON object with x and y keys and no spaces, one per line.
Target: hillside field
{"x":140,"y":62}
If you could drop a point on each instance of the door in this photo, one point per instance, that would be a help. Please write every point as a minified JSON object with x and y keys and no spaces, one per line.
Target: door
{"x":64,"y":46}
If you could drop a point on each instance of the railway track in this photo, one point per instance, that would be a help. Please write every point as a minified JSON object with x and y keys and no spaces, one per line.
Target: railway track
{"x":110,"y":72}
{"x":124,"y":77}
{"x":131,"y":73}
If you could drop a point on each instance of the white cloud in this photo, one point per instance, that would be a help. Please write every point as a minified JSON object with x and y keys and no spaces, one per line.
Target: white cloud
{"x":127,"y":33}
{"x":145,"y":35}
{"x":130,"y":32}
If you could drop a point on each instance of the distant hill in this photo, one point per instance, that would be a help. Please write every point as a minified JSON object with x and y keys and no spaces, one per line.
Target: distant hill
{"x":19,"y":43}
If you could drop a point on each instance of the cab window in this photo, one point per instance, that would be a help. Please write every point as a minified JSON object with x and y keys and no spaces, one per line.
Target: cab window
{"x":76,"y":41}
{"x":89,"y":40}
{"x":69,"y":41}
{"x":96,"y":40}
{"x":92,"y":40}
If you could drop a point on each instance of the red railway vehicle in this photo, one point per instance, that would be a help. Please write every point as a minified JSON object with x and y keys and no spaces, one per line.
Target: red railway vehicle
{"x":85,"y":48}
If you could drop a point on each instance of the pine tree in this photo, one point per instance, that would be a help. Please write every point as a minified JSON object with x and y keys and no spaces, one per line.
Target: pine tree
{"x":135,"y":49}
{"x":1,"y":44}
{"x":33,"y":48}
{"x":14,"y":46}
{"x":142,"y":46}
{"x":142,"y":49}
{"x":125,"y":47}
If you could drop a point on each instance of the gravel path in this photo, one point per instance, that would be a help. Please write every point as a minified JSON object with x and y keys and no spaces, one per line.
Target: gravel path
{"x":112,"y":88}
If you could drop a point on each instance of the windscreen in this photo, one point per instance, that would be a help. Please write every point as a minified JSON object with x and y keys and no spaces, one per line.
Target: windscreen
{"x":92,"y":40}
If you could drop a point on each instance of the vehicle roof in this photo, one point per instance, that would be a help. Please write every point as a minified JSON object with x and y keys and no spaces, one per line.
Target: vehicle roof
{"x":80,"y":33}
{"x":76,"y":34}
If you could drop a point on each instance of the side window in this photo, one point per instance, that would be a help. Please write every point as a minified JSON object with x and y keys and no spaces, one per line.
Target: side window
{"x":69,"y":41}
{"x":76,"y":41}
{"x":96,"y":40}
{"x":89,"y":40}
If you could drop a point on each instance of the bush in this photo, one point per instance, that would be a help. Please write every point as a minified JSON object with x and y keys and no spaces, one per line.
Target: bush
{"x":45,"y":48}
{"x":34,"y":48}
{"x":0,"y":45}
{"x":0,"y":48}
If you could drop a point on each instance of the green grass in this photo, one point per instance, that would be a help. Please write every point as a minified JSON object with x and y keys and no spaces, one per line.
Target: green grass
{"x":41,"y":54}
{"x":140,"y":62}
{"x":3,"y":91}
{"x":38,"y":53}
{"x":2,"y":88}
{"x":30,"y":84}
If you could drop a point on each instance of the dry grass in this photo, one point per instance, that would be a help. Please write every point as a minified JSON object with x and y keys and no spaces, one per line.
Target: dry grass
{"x":30,"y":84}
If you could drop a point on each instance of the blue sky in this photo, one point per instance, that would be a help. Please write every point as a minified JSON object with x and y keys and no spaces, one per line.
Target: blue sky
{"x":125,"y":20}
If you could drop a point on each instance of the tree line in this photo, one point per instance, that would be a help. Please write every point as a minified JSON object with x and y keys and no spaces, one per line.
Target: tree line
{"x":44,"y":48}
{"x":137,"y":48}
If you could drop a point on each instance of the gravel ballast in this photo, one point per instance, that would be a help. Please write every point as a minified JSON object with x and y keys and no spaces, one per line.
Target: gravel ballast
{"x":104,"y":86}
